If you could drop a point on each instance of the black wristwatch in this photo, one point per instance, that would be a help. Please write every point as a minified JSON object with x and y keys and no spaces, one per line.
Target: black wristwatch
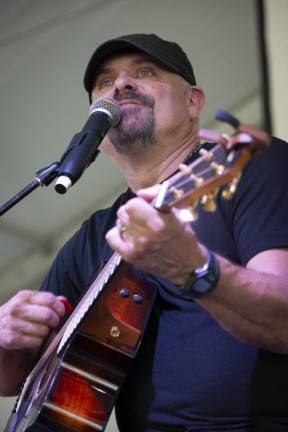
{"x":203,"y":279}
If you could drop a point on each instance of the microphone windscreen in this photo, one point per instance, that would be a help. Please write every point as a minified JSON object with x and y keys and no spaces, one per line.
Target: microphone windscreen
{"x":108,"y":105}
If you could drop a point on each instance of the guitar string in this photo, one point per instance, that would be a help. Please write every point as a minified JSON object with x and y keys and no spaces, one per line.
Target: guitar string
{"x":91,"y":298}
{"x":92,"y":292}
{"x":113,"y":262}
{"x":97,"y":286}
{"x":219,"y":156}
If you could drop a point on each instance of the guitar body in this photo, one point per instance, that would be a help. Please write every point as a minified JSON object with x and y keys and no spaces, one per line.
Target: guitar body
{"x":74,"y":385}
{"x":77,"y":386}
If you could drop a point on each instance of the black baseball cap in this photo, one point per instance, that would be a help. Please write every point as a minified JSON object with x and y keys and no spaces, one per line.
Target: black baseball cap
{"x":168,"y":54}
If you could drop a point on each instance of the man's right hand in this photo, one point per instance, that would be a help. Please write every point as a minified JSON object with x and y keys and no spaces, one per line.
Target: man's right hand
{"x":27,"y":318}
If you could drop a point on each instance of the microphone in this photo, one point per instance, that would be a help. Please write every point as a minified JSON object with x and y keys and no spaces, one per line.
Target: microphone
{"x":104,"y":113}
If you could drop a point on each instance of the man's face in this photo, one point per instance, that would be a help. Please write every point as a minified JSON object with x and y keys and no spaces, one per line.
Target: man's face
{"x":152,"y":100}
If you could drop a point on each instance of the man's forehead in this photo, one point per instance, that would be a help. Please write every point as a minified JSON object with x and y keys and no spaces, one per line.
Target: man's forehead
{"x":131,"y":55}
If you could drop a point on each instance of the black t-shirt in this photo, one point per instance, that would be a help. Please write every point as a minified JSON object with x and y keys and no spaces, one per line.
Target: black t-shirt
{"x":190,"y":374}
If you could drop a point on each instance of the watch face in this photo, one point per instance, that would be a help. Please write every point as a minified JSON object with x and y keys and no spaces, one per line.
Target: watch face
{"x":202,"y":280}
{"x":202,"y":286}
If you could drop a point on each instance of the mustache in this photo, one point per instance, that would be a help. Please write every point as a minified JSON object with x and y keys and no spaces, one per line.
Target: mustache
{"x":137,"y":96}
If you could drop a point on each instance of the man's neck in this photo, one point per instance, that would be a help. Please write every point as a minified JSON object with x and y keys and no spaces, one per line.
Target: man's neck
{"x":155,"y":164}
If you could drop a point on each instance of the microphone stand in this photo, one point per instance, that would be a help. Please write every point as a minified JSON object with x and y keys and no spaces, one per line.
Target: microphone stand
{"x":43,"y":177}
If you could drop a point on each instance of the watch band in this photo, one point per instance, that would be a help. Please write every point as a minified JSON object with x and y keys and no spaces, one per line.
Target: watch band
{"x":203,"y":279}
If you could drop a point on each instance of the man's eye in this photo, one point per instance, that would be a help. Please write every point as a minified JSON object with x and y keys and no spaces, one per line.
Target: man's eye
{"x":106,"y":83}
{"x":143,"y":73}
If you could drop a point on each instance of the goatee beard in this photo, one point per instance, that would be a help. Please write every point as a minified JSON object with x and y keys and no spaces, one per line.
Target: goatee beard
{"x":136,"y":129}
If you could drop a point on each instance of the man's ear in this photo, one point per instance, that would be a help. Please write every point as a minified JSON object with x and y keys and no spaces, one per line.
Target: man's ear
{"x":195,"y":99}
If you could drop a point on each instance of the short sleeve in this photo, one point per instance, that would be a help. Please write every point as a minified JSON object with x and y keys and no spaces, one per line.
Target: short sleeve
{"x":258,"y":213}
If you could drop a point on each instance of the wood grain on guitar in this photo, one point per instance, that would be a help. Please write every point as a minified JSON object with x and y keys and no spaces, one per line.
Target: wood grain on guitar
{"x":75,"y":383}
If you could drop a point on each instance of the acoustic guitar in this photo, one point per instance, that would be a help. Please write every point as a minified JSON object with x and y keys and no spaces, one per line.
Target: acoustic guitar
{"x":75,"y":383}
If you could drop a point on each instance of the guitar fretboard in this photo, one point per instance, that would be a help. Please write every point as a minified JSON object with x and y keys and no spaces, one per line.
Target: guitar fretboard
{"x":89,"y":298}
{"x":68,"y":329}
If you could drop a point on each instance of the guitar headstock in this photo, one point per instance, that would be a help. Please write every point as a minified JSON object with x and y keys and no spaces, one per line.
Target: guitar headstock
{"x":200,"y":181}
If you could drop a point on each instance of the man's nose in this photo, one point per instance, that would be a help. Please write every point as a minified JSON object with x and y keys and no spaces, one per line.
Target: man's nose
{"x":124,"y":81}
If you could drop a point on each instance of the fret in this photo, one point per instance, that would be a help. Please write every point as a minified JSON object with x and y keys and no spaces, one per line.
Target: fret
{"x":88,"y":299}
{"x":61,"y":364}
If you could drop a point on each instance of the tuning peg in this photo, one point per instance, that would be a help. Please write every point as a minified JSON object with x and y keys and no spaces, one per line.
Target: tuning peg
{"x":185,"y":169}
{"x":217,"y":168}
{"x":206,"y":154}
{"x":208,"y":203}
{"x":198,"y":181}
{"x":178,"y":193}
{"x":231,"y":188}
{"x":188,"y":214}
